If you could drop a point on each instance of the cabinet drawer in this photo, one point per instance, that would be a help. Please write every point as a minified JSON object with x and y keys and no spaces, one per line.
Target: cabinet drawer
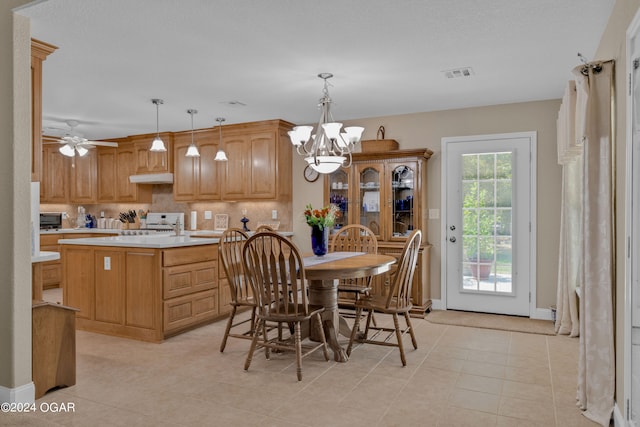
{"x":51,"y":274}
{"x":50,"y":240}
{"x":188,"y":310}
{"x":189,"y":255}
{"x":187,"y":279}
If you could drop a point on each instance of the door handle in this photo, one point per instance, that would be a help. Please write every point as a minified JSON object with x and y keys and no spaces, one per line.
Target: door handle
{"x":452,"y":239}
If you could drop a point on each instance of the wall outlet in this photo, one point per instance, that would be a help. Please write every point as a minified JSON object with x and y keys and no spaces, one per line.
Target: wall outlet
{"x":107,"y":263}
{"x":207,"y":215}
{"x":64,"y":215}
{"x":274,"y":214}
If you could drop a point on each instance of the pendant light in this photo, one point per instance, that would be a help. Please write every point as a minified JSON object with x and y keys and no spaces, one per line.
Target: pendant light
{"x":157,"y":144}
{"x":192,"y":151}
{"x":221,"y":156}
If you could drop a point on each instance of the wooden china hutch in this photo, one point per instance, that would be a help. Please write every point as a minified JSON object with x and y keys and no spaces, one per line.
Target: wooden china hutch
{"x":387,"y":192}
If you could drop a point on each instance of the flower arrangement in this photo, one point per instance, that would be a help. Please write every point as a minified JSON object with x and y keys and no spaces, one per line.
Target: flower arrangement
{"x":321,"y":218}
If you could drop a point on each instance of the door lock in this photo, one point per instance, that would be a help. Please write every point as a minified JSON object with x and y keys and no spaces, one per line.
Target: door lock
{"x":452,"y":239}
{"x":452,"y":228}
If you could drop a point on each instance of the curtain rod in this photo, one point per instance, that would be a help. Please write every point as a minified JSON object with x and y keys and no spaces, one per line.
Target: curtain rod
{"x":595,"y":65}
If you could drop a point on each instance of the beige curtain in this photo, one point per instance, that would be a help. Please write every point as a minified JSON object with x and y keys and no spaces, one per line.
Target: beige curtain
{"x":596,"y":368}
{"x":570,"y":256}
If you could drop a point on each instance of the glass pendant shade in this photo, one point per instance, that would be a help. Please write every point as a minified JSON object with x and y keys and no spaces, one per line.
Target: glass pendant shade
{"x":67,"y":150}
{"x":192,"y":151}
{"x":332,"y":130}
{"x":157,"y":145}
{"x":81,"y":151}
{"x":221,"y":156}
{"x":326,"y":164}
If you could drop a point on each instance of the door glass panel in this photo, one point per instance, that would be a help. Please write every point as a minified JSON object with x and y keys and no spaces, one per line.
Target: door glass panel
{"x":402,"y":186}
{"x":486,"y":227}
{"x":370,"y":199}
{"x":339,"y":196}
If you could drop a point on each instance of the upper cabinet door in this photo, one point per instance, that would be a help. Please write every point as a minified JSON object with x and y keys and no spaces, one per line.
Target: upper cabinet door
{"x":235,"y":186}
{"x":83,"y":178}
{"x":337,"y":186}
{"x":262,"y":172}
{"x":209,"y":171}
{"x":107,"y":175}
{"x":54,"y":187}
{"x":370,"y":197}
{"x":404,"y":179}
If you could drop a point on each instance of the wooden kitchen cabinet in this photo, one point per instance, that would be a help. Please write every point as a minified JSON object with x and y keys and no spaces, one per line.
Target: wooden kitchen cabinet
{"x":115,"y":165}
{"x":387,"y":192}
{"x":83,"y":176}
{"x":150,"y":161}
{"x":196,"y":178}
{"x":39,"y":52}
{"x":259,"y":165}
{"x":54,"y":183}
{"x":140,"y":293}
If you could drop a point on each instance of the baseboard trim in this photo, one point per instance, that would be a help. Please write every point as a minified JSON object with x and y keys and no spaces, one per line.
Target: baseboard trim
{"x":618,"y":419}
{"x":540,"y":313}
{"x":23,"y":394}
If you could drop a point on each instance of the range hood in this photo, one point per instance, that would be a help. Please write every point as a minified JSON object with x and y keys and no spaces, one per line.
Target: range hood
{"x":152,"y":178}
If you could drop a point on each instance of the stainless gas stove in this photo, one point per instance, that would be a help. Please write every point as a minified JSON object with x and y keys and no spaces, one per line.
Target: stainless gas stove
{"x":164,"y":221}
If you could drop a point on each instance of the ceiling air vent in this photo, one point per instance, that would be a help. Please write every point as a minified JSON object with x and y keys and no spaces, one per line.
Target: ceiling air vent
{"x":458,"y":72}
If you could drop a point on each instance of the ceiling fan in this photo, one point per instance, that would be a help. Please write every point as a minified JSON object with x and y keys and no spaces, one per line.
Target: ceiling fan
{"x":73,"y":142}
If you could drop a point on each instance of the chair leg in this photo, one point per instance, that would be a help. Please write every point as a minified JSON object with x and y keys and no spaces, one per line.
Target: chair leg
{"x":298,"y":341}
{"x":396,"y":323}
{"x":254,"y":342}
{"x":325,"y":349}
{"x":354,"y":331}
{"x":266,"y":337}
{"x":410,"y":327}
{"x":223,"y":344}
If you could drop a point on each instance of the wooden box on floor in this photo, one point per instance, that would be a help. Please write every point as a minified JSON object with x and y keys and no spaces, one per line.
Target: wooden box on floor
{"x":54,"y":346}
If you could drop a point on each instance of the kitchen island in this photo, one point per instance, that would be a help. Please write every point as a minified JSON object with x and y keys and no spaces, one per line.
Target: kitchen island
{"x":142,"y":287}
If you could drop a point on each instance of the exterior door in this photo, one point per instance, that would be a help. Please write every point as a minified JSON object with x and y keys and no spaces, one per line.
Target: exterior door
{"x":487,"y":200}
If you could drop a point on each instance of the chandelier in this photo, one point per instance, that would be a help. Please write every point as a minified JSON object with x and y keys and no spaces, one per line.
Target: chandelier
{"x":327,"y":149}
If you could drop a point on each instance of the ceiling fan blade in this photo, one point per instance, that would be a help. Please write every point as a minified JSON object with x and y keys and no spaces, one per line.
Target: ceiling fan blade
{"x":103,"y":143}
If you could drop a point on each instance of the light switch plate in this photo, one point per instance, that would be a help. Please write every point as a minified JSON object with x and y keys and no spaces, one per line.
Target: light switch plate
{"x":274,"y":214}
{"x":207,"y":215}
{"x":107,"y":263}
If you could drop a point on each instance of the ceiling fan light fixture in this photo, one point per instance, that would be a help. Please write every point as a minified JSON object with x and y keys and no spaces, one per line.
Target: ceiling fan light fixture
{"x":157,"y":144}
{"x":67,"y":150}
{"x":192,"y":151}
{"x":81,"y":150}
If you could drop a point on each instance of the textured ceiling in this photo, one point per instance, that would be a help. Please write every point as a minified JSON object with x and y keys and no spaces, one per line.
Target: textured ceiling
{"x":387,"y":57}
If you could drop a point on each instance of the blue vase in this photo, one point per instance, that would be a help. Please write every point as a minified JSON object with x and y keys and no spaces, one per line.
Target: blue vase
{"x":319,"y":240}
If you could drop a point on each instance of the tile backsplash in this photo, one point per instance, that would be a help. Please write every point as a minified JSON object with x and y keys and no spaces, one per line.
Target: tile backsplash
{"x":162,"y":201}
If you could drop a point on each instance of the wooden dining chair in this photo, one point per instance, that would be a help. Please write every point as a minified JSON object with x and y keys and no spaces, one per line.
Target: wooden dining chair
{"x":264,"y":227}
{"x":354,"y":238}
{"x":398,"y":301}
{"x":230,"y":248}
{"x":274,"y":269}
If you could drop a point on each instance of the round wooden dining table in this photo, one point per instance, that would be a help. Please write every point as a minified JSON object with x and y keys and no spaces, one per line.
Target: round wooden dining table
{"x":323,"y":275}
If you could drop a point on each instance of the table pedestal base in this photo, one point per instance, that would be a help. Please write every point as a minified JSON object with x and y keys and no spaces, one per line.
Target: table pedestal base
{"x":325,"y":293}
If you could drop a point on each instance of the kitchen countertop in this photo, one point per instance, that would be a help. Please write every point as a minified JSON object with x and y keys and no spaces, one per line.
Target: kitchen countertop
{"x":44,"y":256}
{"x":155,"y":241}
{"x":81,"y":231}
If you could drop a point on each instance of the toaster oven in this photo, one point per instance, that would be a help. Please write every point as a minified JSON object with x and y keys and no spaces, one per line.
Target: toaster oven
{"x":50,"y":220}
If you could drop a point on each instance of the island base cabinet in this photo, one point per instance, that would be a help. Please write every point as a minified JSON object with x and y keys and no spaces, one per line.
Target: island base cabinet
{"x":185,"y":311}
{"x":141,"y":293}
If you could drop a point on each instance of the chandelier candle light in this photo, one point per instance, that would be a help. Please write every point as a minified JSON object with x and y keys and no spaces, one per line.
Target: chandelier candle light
{"x":157,"y":144}
{"x":327,"y":149}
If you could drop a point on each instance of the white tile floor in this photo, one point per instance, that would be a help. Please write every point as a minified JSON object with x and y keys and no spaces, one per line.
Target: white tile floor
{"x":458,"y":377}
